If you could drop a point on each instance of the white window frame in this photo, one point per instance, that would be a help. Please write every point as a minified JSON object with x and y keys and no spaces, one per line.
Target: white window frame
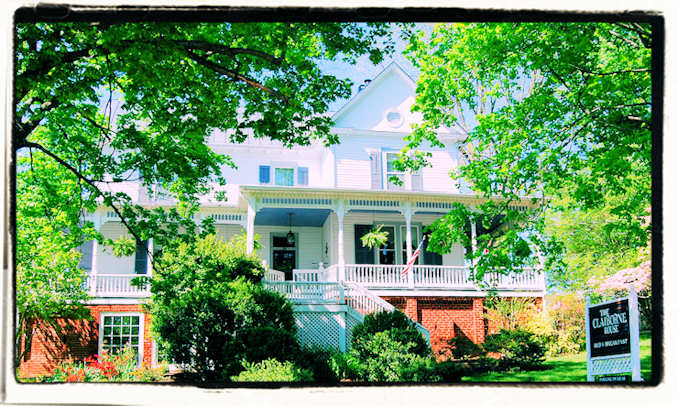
{"x":141,"y":331}
{"x":385,"y":174}
{"x":294,"y":174}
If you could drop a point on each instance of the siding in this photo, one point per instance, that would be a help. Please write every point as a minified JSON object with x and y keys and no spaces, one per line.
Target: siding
{"x":109,"y":263}
{"x":309,"y":247}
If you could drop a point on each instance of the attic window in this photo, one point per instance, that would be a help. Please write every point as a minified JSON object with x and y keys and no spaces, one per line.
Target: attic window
{"x":394,"y":118}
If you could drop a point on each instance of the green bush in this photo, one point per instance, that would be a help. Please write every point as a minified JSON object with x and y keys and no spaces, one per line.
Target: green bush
{"x":256,"y":344}
{"x":205,"y":304}
{"x":272,"y":370}
{"x":427,"y":369}
{"x":319,"y":361}
{"x":382,"y":358}
{"x":517,"y":349}
{"x":463,"y":348}
{"x":399,"y":326}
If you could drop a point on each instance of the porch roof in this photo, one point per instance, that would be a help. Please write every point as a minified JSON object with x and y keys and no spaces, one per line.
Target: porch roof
{"x":357,"y":194}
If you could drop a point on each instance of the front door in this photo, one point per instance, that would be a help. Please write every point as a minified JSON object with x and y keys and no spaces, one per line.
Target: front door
{"x":284,"y":255}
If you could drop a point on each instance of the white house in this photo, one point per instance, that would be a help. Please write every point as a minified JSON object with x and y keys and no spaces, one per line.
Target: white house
{"x":310,"y":206}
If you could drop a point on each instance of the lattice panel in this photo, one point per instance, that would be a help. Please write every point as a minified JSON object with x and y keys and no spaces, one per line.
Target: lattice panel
{"x":351,"y":322}
{"x":615,"y":365}
{"x":319,"y":329}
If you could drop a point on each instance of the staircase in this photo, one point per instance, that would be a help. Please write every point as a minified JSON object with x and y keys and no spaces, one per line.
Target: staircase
{"x":328,"y":298}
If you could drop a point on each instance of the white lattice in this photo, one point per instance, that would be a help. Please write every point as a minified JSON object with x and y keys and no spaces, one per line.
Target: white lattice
{"x":616,"y":365}
{"x":319,"y":329}
{"x":351,"y":322}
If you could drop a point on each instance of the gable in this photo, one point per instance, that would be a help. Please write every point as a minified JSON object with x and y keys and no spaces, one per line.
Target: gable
{"x":384,"y":105}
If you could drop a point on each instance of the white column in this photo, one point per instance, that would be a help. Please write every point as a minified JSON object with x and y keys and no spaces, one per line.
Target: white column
{"x":340,"y":210}
{"x":474,"y":244}
{"x":249,"y":229}
{"x":97,"y":220}
{"x":407,"y":212}
{"x":149,"y":259}
{"x":95,"y":268}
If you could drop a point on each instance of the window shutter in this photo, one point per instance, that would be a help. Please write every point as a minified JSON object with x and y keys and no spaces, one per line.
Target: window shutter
{"x":375,"y":169}
{"x":264,"y":174}
{"x":363,"y":255}
{"x":417,"y":180}
{"x":140,"y":259}
{"x":86,"y":258}
{"x":302,"y":176}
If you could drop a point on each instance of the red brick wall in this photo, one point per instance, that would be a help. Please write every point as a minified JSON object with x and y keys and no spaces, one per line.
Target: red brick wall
{"x":75,"y":340}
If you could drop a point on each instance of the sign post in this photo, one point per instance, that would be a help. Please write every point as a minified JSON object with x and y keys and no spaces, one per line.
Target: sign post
{"x":613,"y":340}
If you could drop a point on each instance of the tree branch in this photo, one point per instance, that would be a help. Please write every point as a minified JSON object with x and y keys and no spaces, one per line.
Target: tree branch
{"x":235,"y":75}
{"x":221,"y":49}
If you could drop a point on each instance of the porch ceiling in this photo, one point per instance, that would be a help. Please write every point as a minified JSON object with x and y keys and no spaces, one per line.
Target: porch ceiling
{"x":300,"y":217}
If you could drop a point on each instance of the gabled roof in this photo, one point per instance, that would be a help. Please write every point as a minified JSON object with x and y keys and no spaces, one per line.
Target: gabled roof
{"x":393,"y":67}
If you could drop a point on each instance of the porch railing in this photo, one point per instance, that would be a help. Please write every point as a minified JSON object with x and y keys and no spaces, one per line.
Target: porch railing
{"x":309,"y":292}
{"x":120,"y":285}
{"x":274,"y":276}
{"x":439,"y":276}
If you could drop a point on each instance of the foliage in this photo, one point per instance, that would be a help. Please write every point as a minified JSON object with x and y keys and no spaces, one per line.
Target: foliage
{"x":463,"y":348}
{"x":272,"y":370}
{"x":375,"y":238}
{"x":205,"y":302}
{"x":383,"y":358}
{"x":98,"y":104}
{"x":121,"y":367}
{"x":396,"y":324}
{"x":548,"y":109}
{"x":319,"y":361}
{"x":509,"y":313}
{"x":516,"y":348}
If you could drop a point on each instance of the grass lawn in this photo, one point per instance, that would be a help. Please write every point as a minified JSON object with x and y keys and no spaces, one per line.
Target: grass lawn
{"x":567,"y":368}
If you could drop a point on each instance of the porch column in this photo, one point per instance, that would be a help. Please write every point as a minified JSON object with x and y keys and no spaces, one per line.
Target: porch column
{"x":97,"y":220}
{"x":149,"y":260}
{"x":249,"y":229}
{"x":340,"y":209}
{"x":407,"y":212}
{"x":473,"y":240}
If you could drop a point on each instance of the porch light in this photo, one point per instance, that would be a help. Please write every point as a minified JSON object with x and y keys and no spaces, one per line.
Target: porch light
{"x":290,"y":235}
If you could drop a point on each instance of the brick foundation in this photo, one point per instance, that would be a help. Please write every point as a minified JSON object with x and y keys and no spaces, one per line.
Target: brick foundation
{"x":73,"y":341}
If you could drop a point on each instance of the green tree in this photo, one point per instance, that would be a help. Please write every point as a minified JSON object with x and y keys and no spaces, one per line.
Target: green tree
{"x":99,"y":104}
{"x":210,"y":313}
{"x":545,"y":109}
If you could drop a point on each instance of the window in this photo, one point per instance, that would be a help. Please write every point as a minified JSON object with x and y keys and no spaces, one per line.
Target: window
{"x":390,"y":170}
{"x":116,"y":330}
{"x":302,"y":176}
{"x":386,"y":254}
{"x":264,"y":174}
{"x":284,"y":176}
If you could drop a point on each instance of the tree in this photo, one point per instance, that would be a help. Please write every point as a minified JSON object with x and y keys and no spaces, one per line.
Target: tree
{"x":210,"y":312}
{"x":546,"y":109}
{"x":99,"y":104}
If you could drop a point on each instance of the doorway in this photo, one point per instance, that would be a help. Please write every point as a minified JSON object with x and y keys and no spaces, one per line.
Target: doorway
{"x":284,"y":254}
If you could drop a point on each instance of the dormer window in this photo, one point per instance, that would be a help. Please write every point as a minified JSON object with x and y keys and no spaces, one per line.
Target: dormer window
{"x":284,"y":176}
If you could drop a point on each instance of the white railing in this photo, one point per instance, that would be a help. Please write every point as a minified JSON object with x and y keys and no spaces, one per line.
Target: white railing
{"x":366,"y":302}
{"x":308,"y":275}
{"x":103,"y":285}
{"x":274,"y":276}
{"x":376,"y":275}
{"x":439,"y":276}
{"x":443,"y":276}
{"x":309,"y":292}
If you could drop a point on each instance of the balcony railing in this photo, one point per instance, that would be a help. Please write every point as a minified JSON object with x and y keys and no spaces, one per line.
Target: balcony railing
{"x":440,"y":277}
{"x":107,"y":285}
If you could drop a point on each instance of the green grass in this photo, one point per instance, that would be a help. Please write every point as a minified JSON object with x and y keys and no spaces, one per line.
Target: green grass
{"x":566,"y":368}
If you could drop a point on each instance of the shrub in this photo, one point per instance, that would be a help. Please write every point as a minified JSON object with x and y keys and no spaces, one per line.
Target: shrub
{"x":121,"y":367}
{"x":272,"y":370}
{"x":208,"y":311}
{"x":382,"y":358}
{"x":399,"y":326}
{"x":319,"y":361}
{"x":516,"y":348}
{"x":463,"y":348}
{"x":426,"y":369}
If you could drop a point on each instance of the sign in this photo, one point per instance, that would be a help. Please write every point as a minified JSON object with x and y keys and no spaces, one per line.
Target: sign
{"x":609,"y":328}
{"x":613,"y":340}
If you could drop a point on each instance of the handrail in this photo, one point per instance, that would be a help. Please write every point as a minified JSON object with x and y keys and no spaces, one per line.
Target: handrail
{"x":274,"y":276}
{"x":116,"y":285}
